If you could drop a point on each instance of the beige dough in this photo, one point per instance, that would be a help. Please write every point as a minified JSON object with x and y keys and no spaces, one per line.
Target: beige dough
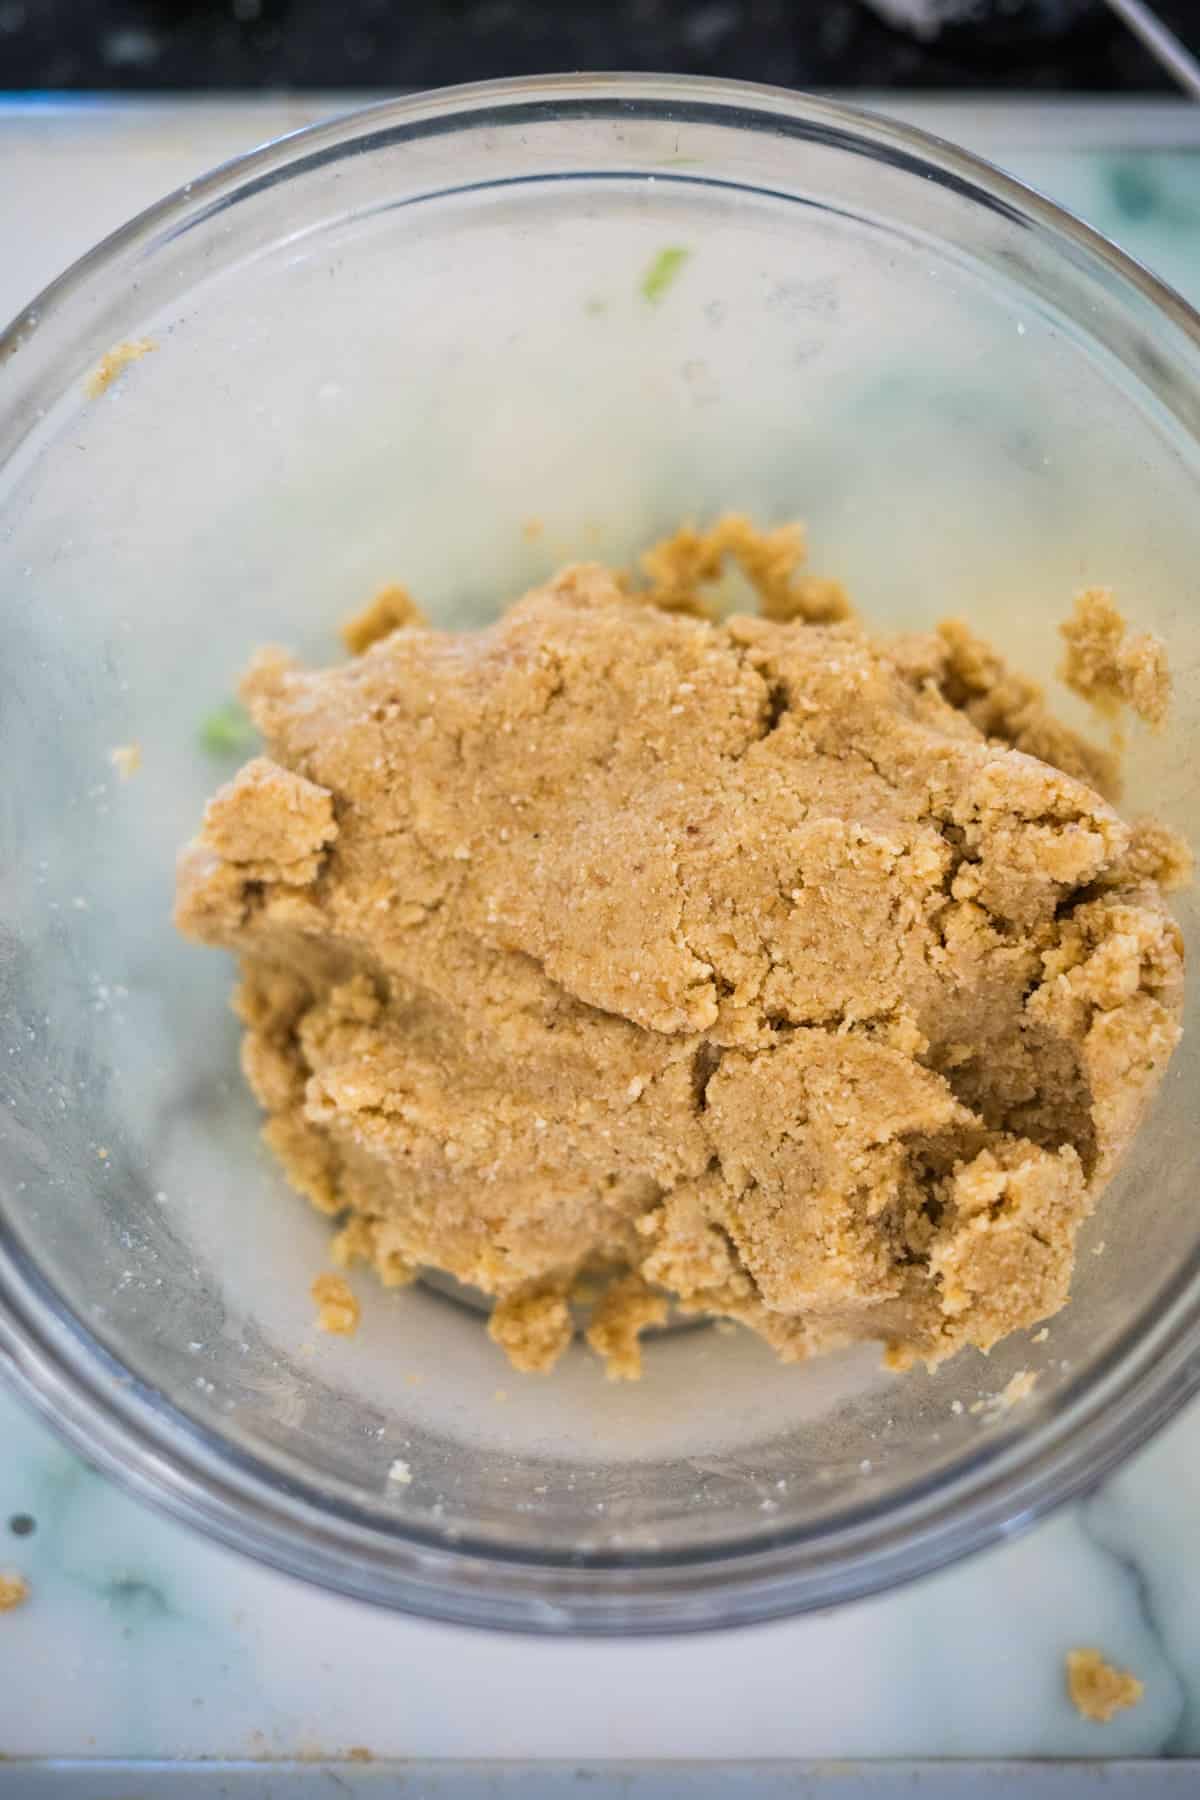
{"x":113,"y":363}
{"x":391,"y":607}
{"x":14,"y":1592}
{"x":337,"y":1309}
{"x":763,"y":968}
{"x":1098,"y":1690}
{"x":1112,"y":666}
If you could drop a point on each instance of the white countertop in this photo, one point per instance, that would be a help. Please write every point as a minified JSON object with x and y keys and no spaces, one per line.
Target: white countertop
{"x":141,"y":1641}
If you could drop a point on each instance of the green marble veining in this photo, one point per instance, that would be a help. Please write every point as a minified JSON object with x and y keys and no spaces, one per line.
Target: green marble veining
{"x":58,"y":1491}
{"x":1146,"y":191}
{"x":1147,"y":201}
{"x":116,"y":1602}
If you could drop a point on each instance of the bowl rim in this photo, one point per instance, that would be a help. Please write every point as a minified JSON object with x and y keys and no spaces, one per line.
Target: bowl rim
{"x":466,"y":99}
{"x":162,"y":1455}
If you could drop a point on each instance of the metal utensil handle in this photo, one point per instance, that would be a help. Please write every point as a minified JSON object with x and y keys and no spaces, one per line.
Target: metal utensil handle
{"x":1161,"y":42}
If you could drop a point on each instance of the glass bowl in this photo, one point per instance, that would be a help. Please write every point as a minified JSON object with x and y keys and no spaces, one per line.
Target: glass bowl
{"x":436,"y":341}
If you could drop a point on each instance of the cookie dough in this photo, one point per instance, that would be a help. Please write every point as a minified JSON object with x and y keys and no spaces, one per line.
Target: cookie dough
{"x":337,"y":1309}
{"x":760,"y":968}
{"x":1097,"y":1690}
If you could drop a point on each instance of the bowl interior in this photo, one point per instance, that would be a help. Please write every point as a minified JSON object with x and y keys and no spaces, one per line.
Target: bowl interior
{"x":419,"y":350}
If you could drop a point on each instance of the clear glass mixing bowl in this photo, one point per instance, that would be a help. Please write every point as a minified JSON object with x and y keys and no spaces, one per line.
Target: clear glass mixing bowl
{"x":383,"y":347}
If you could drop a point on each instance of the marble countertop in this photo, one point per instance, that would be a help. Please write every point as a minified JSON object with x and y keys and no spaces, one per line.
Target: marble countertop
{"x":142,"y":1641}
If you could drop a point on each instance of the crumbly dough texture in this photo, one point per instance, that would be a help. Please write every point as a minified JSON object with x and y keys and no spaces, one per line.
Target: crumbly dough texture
{"x":1111,"y":666}
{"x":1097,"y":1690}
{"x":337,"y":1309}
{"x":758,"y":968}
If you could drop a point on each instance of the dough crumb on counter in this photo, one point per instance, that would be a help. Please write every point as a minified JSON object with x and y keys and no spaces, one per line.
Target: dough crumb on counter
{"x":1111,"y":666}
{"x":338,"y":1310}
{"x":14,"y":1592}
{"x":1098,"y":1690}
{"x":760,"y":968}
{"x":400,"y":1472}
{"x":113,"y":362}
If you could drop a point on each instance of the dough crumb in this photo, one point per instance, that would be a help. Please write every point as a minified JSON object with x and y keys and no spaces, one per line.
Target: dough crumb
{"x":1016,"y":1390}
{"x":126,"y":759}
{"x":681,"y":566}
{"x":14,"y":1592}
{"x":400,"y":1472}
{"x":1156,"y":853}
{"x":1098,"y":1690}
{"x":392,"y":608}
{"x":1110,"y":666}
{"x":620,"y":1316}
{"x":338,"y":1310}
{"x":113,"y":362}
{"x":1011,"y":709}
